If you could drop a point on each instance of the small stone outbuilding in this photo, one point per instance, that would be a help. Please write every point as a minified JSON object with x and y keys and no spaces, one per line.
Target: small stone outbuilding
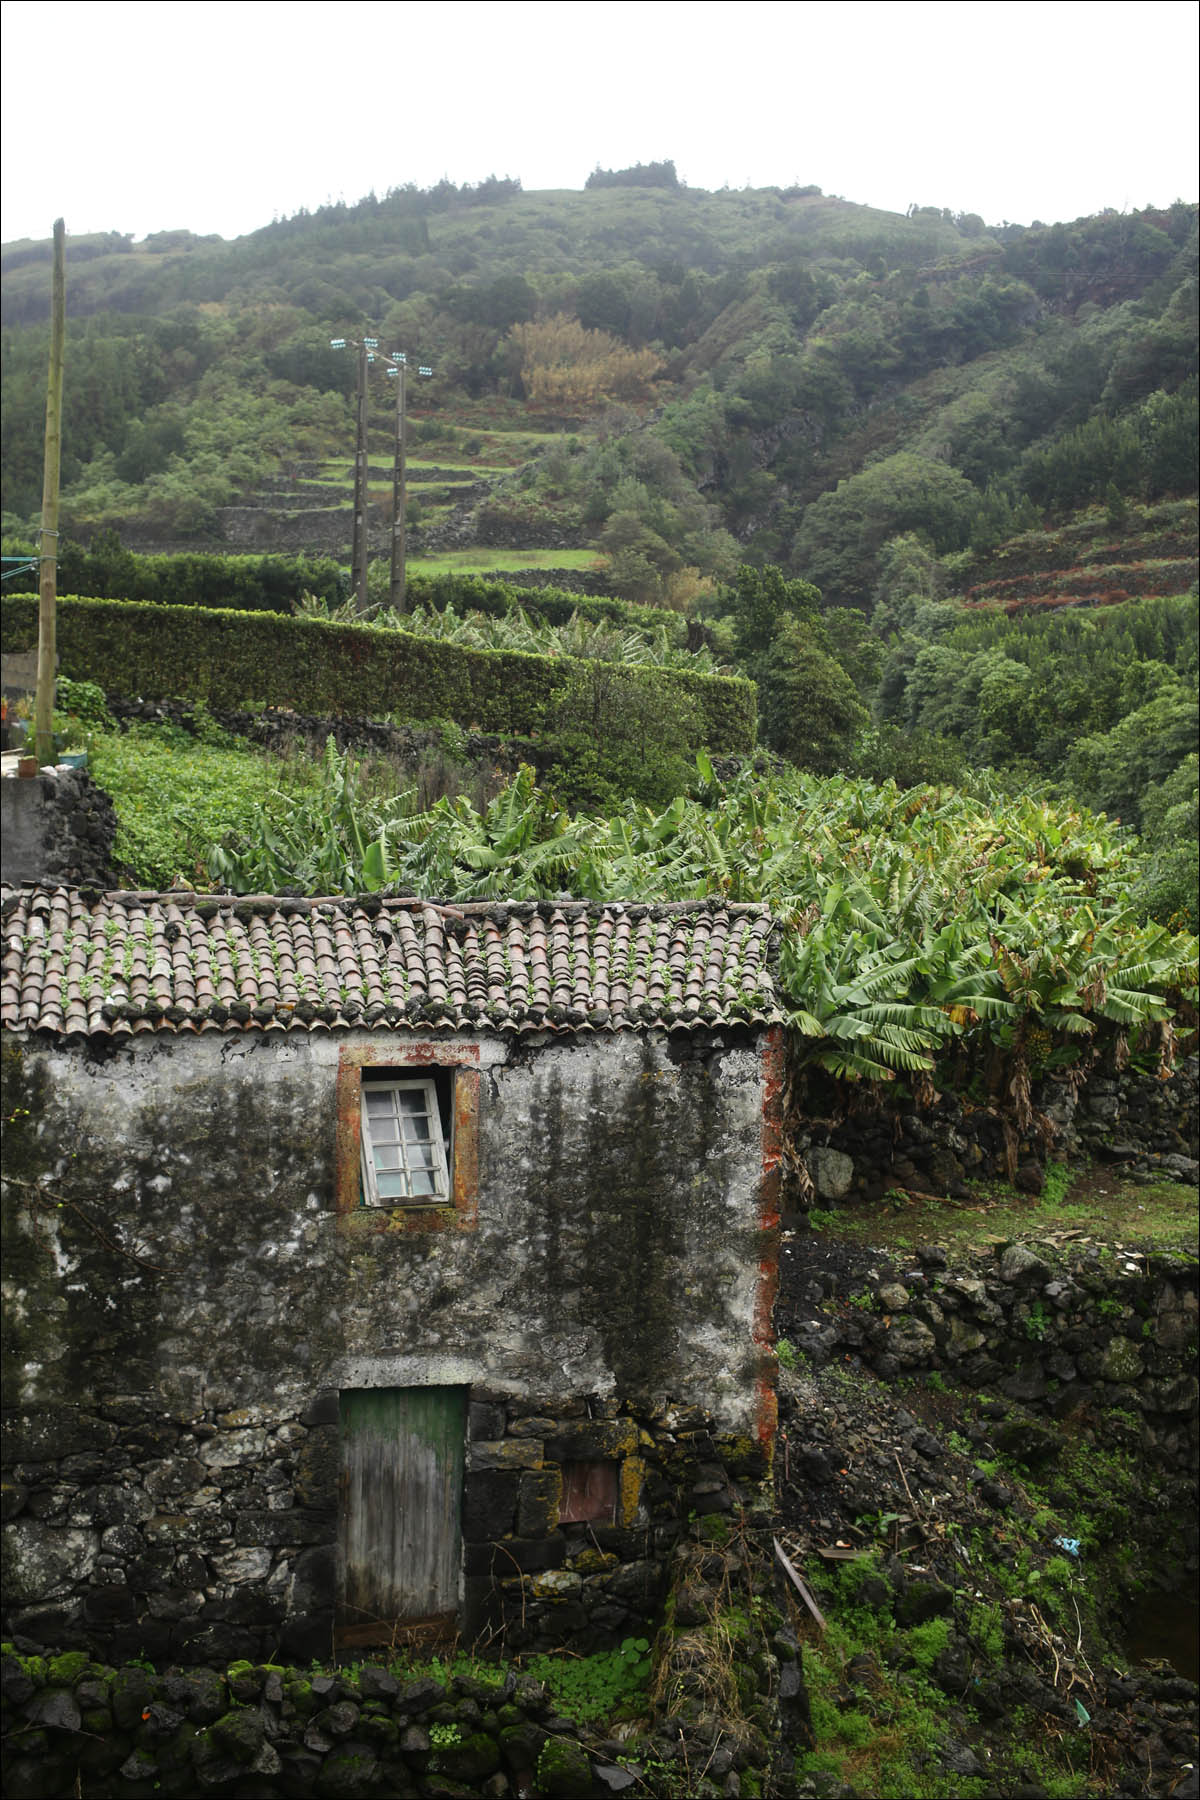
{"x":378,"y":1269}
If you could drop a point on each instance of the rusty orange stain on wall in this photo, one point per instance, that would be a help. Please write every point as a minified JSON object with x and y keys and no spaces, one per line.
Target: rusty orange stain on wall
{"x":766,"y":1405}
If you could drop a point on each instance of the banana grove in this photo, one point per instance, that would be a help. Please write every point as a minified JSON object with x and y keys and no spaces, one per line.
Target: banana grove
{"x":912,"y":923}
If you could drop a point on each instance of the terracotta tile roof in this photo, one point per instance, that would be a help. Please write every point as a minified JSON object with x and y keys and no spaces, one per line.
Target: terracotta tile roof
{"x":122,"y":963}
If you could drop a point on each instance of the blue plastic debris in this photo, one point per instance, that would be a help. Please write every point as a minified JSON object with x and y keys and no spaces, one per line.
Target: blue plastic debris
{"x":1070,"y":1545}
{"x":1082,"y":1713}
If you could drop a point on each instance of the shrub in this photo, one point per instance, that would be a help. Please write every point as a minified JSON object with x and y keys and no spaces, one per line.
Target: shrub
{"x":228,"y":658}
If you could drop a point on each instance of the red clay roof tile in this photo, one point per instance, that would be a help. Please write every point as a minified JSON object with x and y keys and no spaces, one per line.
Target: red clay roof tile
{"x":124,"y":963}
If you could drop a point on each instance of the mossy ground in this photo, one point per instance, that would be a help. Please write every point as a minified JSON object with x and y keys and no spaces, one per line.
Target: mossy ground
{"x":1089,"y":1204}
{"x":980,"y":1698}
{"x":935,"y":1709}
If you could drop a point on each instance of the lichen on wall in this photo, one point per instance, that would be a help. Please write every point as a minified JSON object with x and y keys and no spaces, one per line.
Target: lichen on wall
{"x":185,"y":1303}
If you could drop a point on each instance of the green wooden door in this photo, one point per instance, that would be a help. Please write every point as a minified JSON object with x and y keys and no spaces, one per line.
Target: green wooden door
{"x":400,"y":1530}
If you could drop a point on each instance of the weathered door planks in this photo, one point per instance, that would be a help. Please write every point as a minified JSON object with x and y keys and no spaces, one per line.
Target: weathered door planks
{"x":400,"y":1537}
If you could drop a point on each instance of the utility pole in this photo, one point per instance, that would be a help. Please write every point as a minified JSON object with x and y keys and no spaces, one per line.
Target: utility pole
{"x":48,"y":550}
{"x":399,"y":498}
{"x":361,"y":474}
{"x":396,"y":366}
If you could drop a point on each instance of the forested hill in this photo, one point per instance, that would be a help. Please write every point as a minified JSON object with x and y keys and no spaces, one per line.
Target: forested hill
{"x":769,"y":375}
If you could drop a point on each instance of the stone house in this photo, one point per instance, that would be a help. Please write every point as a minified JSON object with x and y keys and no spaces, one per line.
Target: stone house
{"x":378,"y":1270}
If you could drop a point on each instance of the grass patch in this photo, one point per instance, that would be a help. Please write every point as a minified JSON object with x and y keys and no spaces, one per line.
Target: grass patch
{"x":1091,"y":1203}
{"x":465,"y":562}
{"x":176,"y":795}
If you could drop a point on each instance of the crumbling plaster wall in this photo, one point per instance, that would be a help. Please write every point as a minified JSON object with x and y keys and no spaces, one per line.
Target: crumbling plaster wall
{"x":616,"y":1247}
{"x":184,"y":1301}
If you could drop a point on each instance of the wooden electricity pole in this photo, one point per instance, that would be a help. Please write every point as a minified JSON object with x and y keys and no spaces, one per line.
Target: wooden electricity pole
{"x":399,"y":499}
{"x":48,"y":553}
{"x":367,"y":350}
{"x":361,"y":474}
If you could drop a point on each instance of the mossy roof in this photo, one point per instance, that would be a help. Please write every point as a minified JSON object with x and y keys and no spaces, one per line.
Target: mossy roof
{"x":80,"y":963}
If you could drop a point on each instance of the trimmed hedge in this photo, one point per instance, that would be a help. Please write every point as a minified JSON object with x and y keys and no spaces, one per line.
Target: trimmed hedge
{"x":246,"y":583}
{"x":229,"y":659}
{"x":275,"y":584}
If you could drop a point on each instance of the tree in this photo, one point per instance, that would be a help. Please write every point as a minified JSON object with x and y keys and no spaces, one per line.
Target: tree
{"x":563,"y":364}
{"x":855,"y":646}
{"x":654,"y":174}
{"x":616,"y":734}
{"x":842,"y":533}
{"x":760,"y":600}
{"x":808,"y":706}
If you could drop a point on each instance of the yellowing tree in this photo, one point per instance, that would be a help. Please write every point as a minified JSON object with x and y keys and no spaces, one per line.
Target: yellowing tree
{"x":563,"y":364}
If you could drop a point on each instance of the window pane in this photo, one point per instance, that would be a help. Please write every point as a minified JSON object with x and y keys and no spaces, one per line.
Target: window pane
{"x":404,"y":1151}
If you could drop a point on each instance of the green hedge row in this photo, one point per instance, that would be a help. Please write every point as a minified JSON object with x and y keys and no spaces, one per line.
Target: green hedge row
{"x":229,"y":658}
{"x":248,"y":583}
{"x":274,"y":583}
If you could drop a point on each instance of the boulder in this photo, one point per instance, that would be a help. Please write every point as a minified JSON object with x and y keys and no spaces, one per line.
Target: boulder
{"x":832,"y":1172}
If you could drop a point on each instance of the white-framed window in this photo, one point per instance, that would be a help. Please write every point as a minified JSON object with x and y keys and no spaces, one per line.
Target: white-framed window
{"x":404,"y":1161}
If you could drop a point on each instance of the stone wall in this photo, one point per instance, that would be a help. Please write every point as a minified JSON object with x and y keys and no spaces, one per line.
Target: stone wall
{"x":57,"y":827}
{"x":855,"y":1146}
{"x":533,"y":1583}
{"x":185,"y":1303}
{"x":217,"y":1548}
{"x":1104,"y":1337}
{"x":74,"y":1726}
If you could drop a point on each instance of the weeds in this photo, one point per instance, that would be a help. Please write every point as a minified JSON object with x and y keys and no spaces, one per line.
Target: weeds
{"x":591,"y":1689}
{"x":1037,"y":1322}
{"x":1057,"y":1185}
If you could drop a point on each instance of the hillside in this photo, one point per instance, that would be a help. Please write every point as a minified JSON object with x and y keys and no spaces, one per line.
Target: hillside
{"x":673,"y":379}
{"x":955,"y":466}
{"x":830,"y":560}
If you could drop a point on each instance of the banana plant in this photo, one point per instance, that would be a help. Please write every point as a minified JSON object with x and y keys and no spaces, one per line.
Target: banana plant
{"x":907,"y":919}
{"x":850,"y":1000}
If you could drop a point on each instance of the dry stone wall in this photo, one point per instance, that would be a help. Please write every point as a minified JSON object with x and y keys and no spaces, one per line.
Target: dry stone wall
{"x":1103,"y":1338}
{"x":57,"y":827}
{"x":855,"y":1147}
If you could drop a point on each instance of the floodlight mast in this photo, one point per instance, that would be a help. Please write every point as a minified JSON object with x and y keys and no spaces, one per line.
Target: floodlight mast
{"x":396,"y":366}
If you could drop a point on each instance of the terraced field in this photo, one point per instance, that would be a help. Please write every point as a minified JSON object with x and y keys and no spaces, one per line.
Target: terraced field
{"x":309,"y":508}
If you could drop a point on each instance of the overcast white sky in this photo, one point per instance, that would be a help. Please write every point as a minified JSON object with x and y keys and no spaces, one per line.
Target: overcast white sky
{"x":219,"y":116}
